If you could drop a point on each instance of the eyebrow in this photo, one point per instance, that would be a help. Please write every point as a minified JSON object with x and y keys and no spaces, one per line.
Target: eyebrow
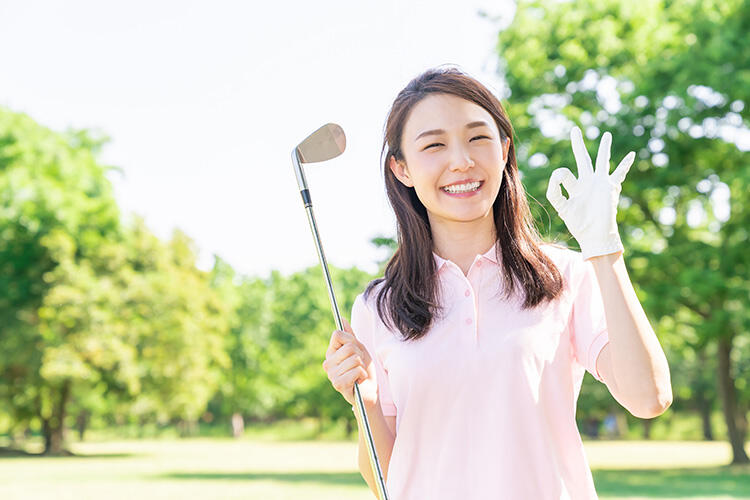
{"x":439,"y":131}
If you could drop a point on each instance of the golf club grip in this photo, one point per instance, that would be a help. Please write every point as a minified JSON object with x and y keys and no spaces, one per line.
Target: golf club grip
{"x":374,"y":462}
{"x":306,"y":200}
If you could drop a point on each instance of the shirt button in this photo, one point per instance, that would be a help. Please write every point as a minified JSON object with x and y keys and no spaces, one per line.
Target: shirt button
{"x":467,"y":292}
{"x":468,"y":321}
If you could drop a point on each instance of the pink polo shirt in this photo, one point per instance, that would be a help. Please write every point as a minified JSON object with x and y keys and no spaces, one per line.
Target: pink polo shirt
{"x":485,"y":402}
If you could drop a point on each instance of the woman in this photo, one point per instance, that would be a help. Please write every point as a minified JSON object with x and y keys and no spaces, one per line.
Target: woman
{"x":471,"y":350}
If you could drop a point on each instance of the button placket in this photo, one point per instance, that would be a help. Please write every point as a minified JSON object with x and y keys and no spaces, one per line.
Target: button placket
{"x":470,"y":319}
{"x":475,"y":302}
{"x":467,"y":293}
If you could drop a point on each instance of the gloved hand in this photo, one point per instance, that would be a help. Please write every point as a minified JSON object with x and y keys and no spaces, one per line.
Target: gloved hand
{"x":590,"y":211}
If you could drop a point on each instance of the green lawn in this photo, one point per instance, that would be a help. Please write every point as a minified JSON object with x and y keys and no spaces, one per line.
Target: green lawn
{"x":256,"y":468}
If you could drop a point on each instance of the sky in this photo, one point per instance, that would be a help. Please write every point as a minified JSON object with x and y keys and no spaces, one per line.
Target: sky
{"x":205,"y":101}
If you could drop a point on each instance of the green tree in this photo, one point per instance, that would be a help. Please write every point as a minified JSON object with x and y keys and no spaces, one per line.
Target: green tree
{"x":671,"y":81}
{"x":241,"y":391}
{"x":90,"y":308}
{"x":300,"y":331}
{"x":54,"y":200}
{"x":178,"y":324}
{"x":280,"y":331}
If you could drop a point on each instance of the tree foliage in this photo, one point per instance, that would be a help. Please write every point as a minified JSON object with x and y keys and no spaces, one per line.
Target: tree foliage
{"x":670,"y":80}
{"x":93,"y":309}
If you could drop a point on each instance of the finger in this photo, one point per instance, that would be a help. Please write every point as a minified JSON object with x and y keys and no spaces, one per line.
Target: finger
{"x":583,"y":160}
{"x":338,"y":338}
{"x":358,"y":374}
{"x":347,"y":326}
{"x":345,"y":351}
{"x":334,"y":344}
{"x":335,"y":356}
{"x":348,"y":364}
{"x":343,"y":382}
{"x":554,"y":193}
{"x":349,"y":377}
{"x":603,"y":156}
{"x":622,"y":169}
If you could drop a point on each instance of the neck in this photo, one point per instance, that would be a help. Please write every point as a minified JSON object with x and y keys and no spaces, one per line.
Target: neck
{"x":460,"y":242}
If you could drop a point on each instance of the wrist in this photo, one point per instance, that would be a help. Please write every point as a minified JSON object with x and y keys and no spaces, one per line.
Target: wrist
{"x":609,"y":245}
{"x":369,"y":406}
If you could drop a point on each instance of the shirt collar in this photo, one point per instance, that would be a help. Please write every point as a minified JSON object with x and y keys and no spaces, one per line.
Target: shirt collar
{"x":489,"y":254}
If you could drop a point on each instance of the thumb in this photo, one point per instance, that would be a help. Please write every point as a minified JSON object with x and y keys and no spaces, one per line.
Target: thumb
{"x":347,"y":326}
{"x":554,"y":193}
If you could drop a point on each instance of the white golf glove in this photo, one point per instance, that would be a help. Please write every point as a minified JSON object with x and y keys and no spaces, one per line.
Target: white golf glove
{"x":590,"y":211}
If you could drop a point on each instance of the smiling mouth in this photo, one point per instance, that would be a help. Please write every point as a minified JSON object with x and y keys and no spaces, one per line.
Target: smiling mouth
{"x":463,"y":188}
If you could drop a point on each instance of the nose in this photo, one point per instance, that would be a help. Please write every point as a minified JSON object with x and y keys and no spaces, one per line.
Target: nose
{"x":460,"y":159}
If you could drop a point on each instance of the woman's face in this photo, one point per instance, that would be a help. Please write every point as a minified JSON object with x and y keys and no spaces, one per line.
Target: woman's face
{"x":448,"y":141}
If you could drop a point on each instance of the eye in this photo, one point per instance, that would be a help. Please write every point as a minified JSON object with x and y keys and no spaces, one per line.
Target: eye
{"x":439,"y":144}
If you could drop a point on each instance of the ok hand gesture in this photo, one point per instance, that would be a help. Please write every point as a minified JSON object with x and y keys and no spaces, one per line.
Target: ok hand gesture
{"x":590,"y":211}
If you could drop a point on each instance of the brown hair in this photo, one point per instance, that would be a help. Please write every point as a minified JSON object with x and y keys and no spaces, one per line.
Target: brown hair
{"x":410,"y":281}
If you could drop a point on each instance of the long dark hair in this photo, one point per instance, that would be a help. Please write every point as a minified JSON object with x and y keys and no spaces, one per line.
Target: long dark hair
{"x":411,"y":289}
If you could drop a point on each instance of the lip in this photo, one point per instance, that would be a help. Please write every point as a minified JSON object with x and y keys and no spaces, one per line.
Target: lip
{"x":465,"y":181}
{"x":464,"y":195}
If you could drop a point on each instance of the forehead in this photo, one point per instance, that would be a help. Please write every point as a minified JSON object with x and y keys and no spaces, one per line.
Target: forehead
{"x":444,"y":111}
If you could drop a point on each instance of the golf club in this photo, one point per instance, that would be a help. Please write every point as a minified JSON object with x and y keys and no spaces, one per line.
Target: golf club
{"x":324,"y":144}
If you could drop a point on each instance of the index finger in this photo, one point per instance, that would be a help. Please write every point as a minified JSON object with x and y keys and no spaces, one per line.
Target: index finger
{"x":583,"y":160}
{"x":337,"y":340}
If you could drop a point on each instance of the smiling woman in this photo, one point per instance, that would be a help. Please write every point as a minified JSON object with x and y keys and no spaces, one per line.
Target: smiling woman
{"x":473,"y":346}
{"x":472,"y":148}
{"x":471,"y":143}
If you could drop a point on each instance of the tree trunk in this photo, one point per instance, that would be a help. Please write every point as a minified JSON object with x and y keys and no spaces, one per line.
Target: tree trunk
{"x":647,"y":428}
{"x":728,"y":395}
{"x":705,"y":412}
{"x":53,"y":428}
{"x":703,"y":400}
{"x":46,"y":433}
{"x":82,"y":421}
{"x":187,"y":427}
{"x":742,"y":423}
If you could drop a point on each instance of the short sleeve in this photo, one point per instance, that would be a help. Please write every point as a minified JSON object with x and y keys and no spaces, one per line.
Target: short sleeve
{"x":588,"y":324}
{"x":364,"y":327}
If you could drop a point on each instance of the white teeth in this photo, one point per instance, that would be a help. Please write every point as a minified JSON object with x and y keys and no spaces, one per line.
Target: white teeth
{"x":462,"y":188}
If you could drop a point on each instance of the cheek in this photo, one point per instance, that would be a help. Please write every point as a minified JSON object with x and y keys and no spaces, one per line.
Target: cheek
{"x":427,"y":172}
{"x":492,"y":155}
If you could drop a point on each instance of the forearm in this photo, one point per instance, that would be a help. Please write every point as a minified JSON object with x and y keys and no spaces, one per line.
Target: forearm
{"x":383,"y":440}
{"x":640,"y":367}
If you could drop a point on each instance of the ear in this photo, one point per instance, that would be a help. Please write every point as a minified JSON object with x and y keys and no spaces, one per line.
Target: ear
{"x":506,"y":150}
{"x":400,"y":171}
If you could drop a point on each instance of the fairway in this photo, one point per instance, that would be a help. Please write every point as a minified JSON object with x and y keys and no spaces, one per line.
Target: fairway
{"x":309,"y":470}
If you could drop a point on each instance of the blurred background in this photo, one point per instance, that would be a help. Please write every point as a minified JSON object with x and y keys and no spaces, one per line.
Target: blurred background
{"x":163,"y":316}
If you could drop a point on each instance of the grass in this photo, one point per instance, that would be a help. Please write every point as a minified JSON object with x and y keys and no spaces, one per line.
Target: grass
{"x":286,"y":464}
{"x":666,"y":469}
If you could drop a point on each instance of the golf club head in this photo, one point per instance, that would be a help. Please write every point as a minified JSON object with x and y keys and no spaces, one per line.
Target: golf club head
{"x":324,"y":144}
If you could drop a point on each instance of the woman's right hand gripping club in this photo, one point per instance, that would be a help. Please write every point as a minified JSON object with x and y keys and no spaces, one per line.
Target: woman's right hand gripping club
{"x":347,"y":361}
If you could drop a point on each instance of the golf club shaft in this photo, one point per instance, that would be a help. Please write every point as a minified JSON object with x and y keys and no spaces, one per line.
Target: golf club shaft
{"x":374,"y":463}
